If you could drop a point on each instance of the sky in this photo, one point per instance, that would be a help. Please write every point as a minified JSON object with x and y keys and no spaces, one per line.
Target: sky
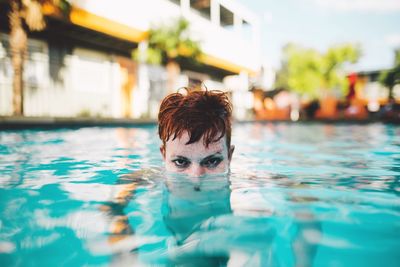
{"x":320,"y":24}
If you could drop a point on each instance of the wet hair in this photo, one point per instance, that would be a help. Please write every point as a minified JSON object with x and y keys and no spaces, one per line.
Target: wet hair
{"x":200,"y":113}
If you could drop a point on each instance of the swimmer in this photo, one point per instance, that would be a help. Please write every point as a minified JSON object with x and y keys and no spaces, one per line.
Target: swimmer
{"x":195,"y":130}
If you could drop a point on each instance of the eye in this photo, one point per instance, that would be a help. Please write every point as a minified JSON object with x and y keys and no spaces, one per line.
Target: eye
{"x":181,"y":163}
{"x":212,"y":162}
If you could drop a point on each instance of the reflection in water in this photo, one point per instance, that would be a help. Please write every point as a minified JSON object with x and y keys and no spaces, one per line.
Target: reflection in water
{"x":189,"y":209}
{"x":177,"y":221}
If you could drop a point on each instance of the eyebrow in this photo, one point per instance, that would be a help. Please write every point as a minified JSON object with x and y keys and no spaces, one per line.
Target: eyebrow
{"x":216,"y":154}
{"x":179,"y":157}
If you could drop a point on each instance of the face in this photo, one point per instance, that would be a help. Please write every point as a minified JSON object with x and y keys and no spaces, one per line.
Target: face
{"x":195,"y":159}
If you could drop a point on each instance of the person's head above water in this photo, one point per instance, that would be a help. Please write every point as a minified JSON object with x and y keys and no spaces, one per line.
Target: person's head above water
{"x":195,"y":130}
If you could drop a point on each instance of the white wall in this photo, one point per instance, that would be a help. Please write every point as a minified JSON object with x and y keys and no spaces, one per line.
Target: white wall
{"x":216,"y":41}
{"x":89,"y":84}
{"x":5,"y":78}
{"x":86,"y":89}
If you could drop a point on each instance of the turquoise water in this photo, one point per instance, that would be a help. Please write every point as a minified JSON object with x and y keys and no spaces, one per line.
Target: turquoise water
{"x":297,"y":195}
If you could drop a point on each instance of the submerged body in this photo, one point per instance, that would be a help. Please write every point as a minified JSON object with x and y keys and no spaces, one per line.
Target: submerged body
{"x":195,"y":225}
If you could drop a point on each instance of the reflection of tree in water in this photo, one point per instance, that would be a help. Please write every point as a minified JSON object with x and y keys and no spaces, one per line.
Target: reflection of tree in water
{"x":22,"y":160}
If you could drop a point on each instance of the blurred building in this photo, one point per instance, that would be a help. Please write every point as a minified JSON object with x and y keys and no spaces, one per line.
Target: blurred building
{"x":82,"y":66}
{"x":277,"y":104}
{"x":365,"y":85}
{"x":366,"y":95}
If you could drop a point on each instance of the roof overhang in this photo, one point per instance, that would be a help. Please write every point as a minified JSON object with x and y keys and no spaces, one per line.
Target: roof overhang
{"x":83,"y":18}
{"x":89,"y":20}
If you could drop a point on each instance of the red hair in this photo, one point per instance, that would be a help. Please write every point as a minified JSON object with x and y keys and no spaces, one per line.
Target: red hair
{"x":200,"y":113}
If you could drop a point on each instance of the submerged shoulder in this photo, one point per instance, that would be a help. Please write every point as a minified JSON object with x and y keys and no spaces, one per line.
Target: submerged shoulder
{"x":142,"y":176}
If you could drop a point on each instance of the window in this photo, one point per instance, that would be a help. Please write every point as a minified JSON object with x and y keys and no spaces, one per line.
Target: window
{"x":202,"y":7}
{"x":226,"y":18}
{"x":178,"y":2}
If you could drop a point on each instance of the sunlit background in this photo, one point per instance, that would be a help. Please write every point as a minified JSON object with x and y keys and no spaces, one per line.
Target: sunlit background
{"x":285,"y":60}
{"x":320,"y":24}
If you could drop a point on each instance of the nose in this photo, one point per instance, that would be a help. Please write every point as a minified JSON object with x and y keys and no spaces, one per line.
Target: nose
{"x":196,"y":171}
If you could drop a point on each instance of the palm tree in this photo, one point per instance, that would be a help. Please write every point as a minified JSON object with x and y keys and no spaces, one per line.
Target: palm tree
{"x":29,"y":13}
{"x":166,"y":44}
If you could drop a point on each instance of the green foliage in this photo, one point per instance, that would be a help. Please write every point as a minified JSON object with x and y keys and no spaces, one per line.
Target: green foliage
{"x":391,"y":77}
{"x":334,"y":60}
{"x":64,"y":6}
{"x":151,"y":56}
{"x":167,"y":42}
{"x":307,"y":71}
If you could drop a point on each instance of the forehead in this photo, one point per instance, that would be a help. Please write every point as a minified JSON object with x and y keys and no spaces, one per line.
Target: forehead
{"x":178,"y":146}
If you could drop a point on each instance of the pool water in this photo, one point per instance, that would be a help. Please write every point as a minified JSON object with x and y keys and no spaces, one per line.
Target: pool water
{"x":297,"y":195}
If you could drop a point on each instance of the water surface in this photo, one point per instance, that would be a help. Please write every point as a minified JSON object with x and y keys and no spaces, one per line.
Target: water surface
{"x":297,"y":195}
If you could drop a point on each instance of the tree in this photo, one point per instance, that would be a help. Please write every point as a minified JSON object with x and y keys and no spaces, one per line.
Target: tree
{"x":166,"y":43}
{"x":302,"y":69}
{"x":25,"y":13}
{"x":309,"y":72}
{"x":391,"y":77}
{"x":334,"y":61}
